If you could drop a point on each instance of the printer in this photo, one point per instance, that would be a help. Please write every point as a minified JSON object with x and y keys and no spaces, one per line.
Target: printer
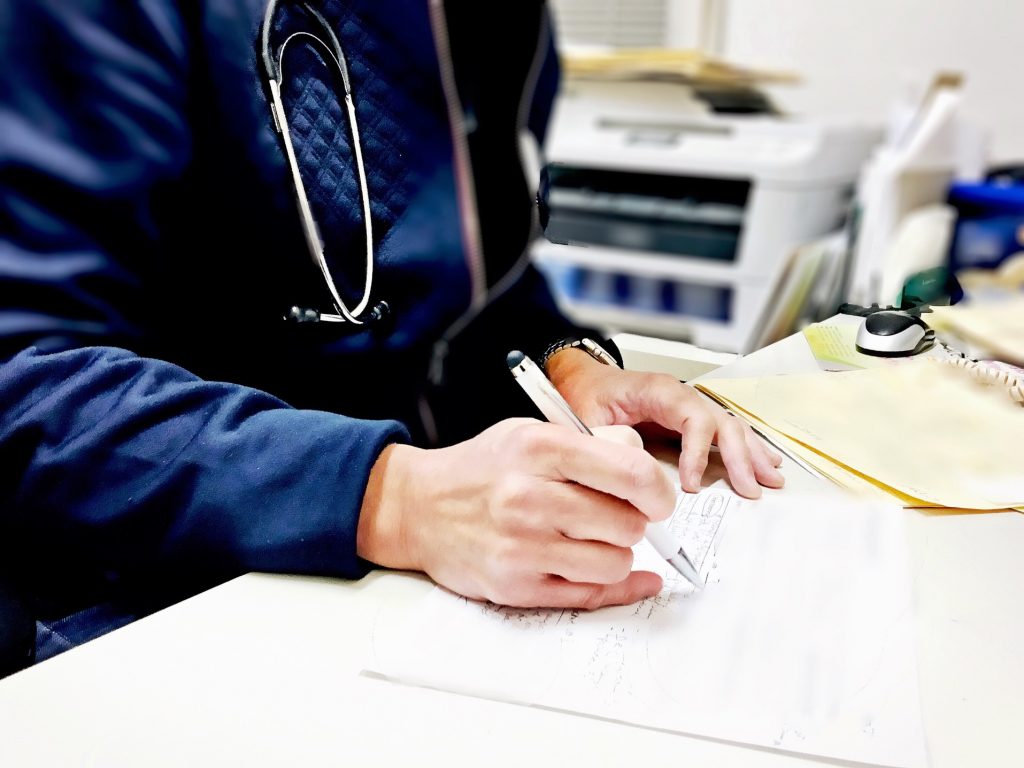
{"x":665,"y":219}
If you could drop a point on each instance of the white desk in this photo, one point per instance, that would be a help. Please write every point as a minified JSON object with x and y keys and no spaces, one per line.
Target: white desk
{"x":264,"y":670}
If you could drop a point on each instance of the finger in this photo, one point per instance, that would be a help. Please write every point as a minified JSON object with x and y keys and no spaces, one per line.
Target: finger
{"x":588,"y":515}
{"x":623,"y":471}
{"x":620,"y":434}
{"x":756,"y":438}
{"x":732,"y":444}
{"x":592,"y":562}
{"x":681,"y":410}
{"x":663,"y":400}
{"x":555,"y":592}
{"x":697,"y":433}
{"x":764,"y":462}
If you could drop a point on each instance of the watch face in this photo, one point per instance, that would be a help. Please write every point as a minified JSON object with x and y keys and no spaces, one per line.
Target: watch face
{"x":598,"y":352}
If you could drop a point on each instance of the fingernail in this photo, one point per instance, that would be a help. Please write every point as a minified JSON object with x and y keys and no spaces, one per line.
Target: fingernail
{"x":693,"y":479}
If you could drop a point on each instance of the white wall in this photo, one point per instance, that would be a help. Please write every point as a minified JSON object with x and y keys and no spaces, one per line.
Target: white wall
{"x":636,"y":23}
{"x":854,"y":54}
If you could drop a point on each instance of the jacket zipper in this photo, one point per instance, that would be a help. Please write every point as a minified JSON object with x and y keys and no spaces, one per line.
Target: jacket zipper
{"x":464,"y":178}
{"x":465,"y":185}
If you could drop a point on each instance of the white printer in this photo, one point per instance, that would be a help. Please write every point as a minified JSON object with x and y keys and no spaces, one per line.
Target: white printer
{"x":663,"y":219}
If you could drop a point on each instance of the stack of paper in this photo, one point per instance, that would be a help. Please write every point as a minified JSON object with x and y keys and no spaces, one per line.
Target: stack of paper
{"x":802,"y":640}
{"x":923,"y":432}
{"x":665,"y":64}
{"x":996,"y":328}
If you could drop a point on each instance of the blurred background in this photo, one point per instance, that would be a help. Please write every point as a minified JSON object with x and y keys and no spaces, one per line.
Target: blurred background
{"x":726,"y":172}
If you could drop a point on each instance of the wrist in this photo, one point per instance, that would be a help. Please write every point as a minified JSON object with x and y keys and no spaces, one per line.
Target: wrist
{"x":382,"y":535}
{"x":569,"y":363}
{"x":561,"y":367}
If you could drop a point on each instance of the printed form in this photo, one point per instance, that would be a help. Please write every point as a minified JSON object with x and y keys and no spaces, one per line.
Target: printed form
{"x":801,"y":640}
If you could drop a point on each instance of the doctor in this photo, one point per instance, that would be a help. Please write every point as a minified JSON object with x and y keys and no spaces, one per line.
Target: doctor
{"x":260,"y":266}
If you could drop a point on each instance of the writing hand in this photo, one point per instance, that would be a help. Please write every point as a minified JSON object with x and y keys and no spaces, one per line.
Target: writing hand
{"x":525,"y":514}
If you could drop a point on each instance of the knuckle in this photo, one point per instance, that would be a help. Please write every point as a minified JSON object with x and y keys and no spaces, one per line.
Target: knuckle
{"x":631,"y":437}
{"x":621,"y":563}
{"x":514,"y":493}
{"x":648,"y":380}
{"x":706,"y":413}
{"x":634,"y":528}
{"x":663,"y":512}
{"x":533,"y":515}
{"x":621,"y":434}
{"x":499,"y":594}
{"x":642,"y":470}
{"x":697,"y":460}
{"x":507,"y":433}
{"x":513,"y":594}
{"x":663,"y":380}
{"x":526,"y":437}
{"x":530,"y":593}
{"x":701,"y":421}
{"x":510,"y":426}
{"x":758,"y":452}
{"x":592,"y":597}
{"x":507,"y":557}
{"x":737,"y":430}
{"x":733,"y":424}
{"x":652,"y":383}
{"x":629,"y":527}
{"x":539,"y":437}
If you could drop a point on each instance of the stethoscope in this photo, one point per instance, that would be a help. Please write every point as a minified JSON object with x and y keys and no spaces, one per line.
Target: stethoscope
{"x":273,"y":66}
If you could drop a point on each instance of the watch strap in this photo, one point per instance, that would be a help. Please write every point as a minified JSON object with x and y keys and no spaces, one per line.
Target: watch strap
{"x":585,"y":344}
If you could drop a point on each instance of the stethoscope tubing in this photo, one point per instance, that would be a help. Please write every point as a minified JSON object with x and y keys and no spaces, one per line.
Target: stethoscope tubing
{"x":274,"y":70}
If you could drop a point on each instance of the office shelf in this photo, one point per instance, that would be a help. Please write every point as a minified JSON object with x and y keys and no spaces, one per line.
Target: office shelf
{"x":661,"y":324}
{"x":639,"y":263}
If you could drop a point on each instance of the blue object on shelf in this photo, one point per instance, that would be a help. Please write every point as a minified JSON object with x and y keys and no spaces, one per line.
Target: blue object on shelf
{"x":654,"y":295}
{"x":990,"y":224}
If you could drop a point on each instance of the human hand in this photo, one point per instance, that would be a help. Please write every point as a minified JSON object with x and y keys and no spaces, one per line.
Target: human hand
{"x":525,"y":514}
{"x":603,"y":394}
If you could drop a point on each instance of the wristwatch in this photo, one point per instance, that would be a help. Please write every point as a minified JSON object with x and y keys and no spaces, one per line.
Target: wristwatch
{"x":589,"y":346}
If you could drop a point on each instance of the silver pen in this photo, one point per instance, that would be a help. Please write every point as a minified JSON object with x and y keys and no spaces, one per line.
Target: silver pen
{"x":556,"y":410}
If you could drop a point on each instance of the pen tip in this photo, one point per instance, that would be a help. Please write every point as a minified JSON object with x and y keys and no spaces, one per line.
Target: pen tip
{"x":514,"y":358}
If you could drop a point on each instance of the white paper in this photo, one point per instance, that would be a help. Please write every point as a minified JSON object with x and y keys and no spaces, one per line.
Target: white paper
{"x":802,"y":639}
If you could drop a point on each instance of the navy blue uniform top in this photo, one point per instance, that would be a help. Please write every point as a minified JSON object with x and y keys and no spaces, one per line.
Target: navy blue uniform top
{"x":161,"y":427}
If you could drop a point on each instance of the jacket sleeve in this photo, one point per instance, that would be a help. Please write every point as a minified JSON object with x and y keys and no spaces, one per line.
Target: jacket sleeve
{"x":130,"y":464}
{"x":140,"y":464}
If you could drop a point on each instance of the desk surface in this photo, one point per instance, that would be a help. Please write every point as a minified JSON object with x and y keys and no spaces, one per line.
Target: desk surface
{"x":265,"y":670}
